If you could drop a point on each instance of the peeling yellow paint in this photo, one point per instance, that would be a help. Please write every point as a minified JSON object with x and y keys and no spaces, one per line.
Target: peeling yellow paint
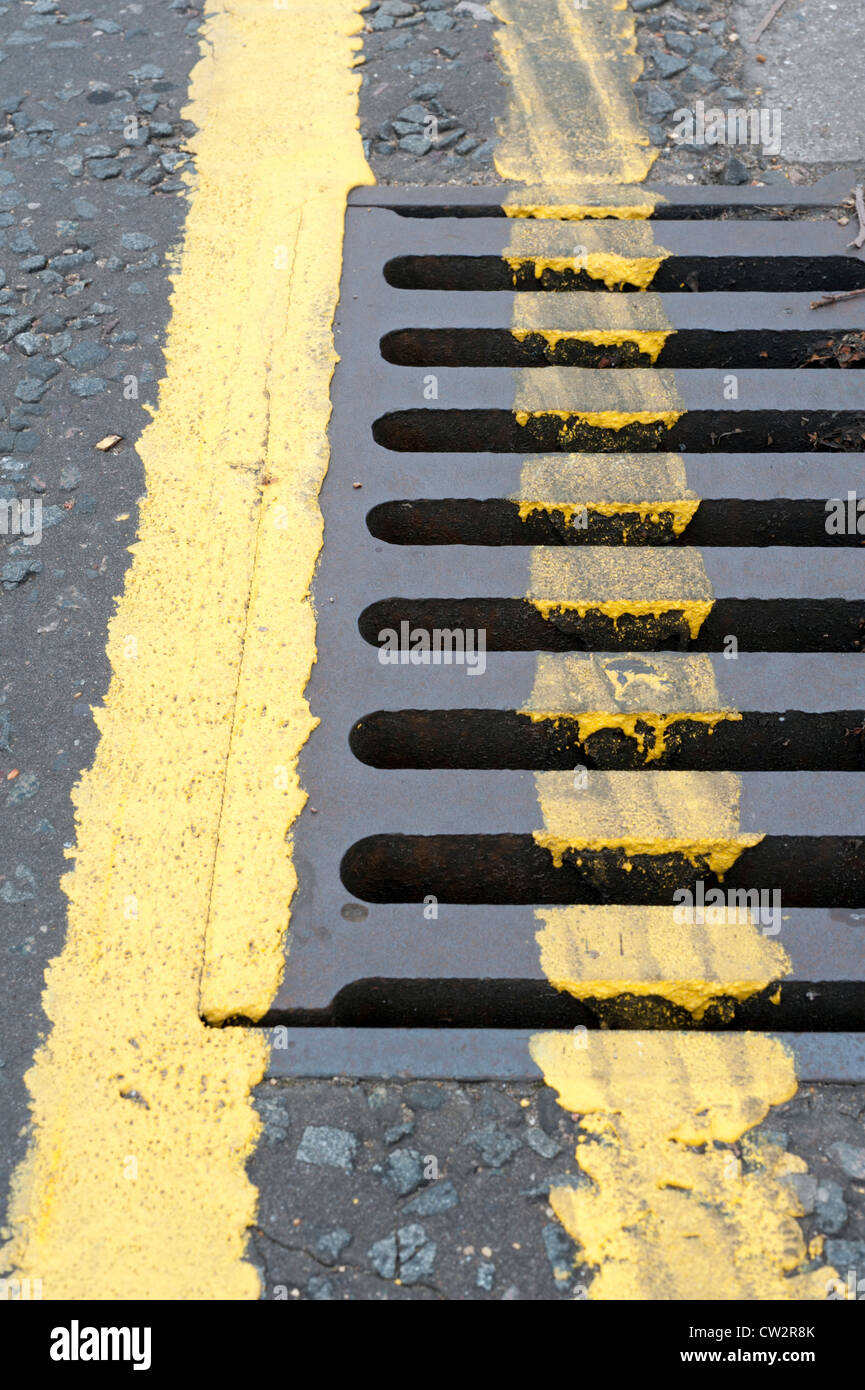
{"x":653,"y":722}
{"x":605,"y":419}
{"x":646,"y":342}
{"x":578,"y":212}
{"x":718,"y":856}
{"x":681,"y":511}
{"x":615,"y":270}
{"x":693,"y":612}
{"x":134,"y":1185}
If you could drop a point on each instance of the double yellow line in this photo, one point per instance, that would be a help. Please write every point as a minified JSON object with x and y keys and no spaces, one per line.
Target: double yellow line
{"x":134,"y":1186}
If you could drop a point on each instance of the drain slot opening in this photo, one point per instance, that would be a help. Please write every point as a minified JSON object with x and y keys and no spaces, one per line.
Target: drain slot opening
{"x":499,"y":521}
{"x":676,"y":273}
{"x":478,"y":739}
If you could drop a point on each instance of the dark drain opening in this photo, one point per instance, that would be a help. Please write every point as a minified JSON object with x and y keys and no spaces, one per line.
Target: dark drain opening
{"x":667,"y":211}
{"x":701,"y":431}
{"x":685,"y":347}
{"x":676,"y":273}
{"x":498,"y":521}
{"x":797,"y":1005}
{"x":815,"y":871}
{"x":513,"y":625}
{"x":477,"y":739}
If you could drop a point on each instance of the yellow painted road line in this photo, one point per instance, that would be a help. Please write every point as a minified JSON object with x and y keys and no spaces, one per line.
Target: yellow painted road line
{"x":572,"y":116}
{"x":674,"y":1212}
{"x":670,"y":1212}
{"x":134,"y":1186}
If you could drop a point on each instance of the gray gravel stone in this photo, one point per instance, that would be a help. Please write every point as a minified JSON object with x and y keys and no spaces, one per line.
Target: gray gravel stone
{"x":425,"y":91}
{"x":105,"y":168}
{"x":319,"y":1289}
{"x":425,"y":1095}
{"x":415,"y":144}
{"x":382,"y":1257}
{"x":417,"y":1254}
{"x":667,"y":64}
{"x":327,"y":1146}
{"x":805,"y":1187}
{"x":440,"y":21}
{"x":830,"y":1209}
{"x":438,"y":1197}
{"x":272,"y":1109}
{"x":850,"y":1158}
{"x":399,"y":1131}
{"x":20,"y":242}
{"x":29,"y":343}
{"x":679,"y":43}
{"x":85,"y":386}
{"x":403,"y":1171}
{"x":30,"y":389}
{"x":698,"y":79}
{"x":85,"y":354}
{"x":330,"y":1246}
{"x":485,"y":1275}
{"x":560,"y":1251}
{"x":494,"y":1145}
{"x":659,"y":102}
{"x":735,"y":171}
{"x":414,"y":114}
{"x":846,"y":1254}
{"x":542,"y":1143}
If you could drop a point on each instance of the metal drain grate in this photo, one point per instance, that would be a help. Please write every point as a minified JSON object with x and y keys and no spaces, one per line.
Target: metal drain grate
{"x":421,"y":779}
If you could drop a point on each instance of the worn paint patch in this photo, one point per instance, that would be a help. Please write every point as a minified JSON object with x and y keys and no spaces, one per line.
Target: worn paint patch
{"x":571,"y":115}
{"x":672,"y":1211}
{"x":606,"y":951}
{"x":134,"y":1186}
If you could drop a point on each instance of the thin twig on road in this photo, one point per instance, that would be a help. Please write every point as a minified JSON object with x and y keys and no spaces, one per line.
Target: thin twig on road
{"x":767,"y":19}
{"x":835,"y":298}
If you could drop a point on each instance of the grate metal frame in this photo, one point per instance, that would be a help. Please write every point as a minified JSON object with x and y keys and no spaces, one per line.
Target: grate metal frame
{"x":372,"y":988}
